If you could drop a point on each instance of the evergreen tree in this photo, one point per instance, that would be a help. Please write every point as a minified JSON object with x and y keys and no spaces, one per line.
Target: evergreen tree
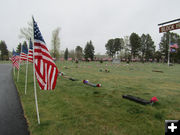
{"x":66,"y":54}
{"x":18,"y":49}
{"x":118,"y":44}
{"x":89,"y":51}
{"x":135,"y":44}
{"x":79,"y":52}
{"x":110,"y":48}
{"x":147,"y":47}
{"x":143,"y":46}
{"x":158,"y":56}
{"x":71,"y":54}
{"x":4,"y":51}
{"x":25,"y":44}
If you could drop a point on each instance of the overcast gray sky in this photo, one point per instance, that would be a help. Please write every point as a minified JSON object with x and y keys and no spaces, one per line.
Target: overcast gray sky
{"x":84,"y":20}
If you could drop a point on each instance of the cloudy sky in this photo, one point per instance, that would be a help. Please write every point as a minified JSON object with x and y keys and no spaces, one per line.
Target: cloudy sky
{"x":84,"y":20}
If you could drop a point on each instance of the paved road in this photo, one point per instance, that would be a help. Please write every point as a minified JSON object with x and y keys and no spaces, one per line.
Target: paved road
{"x":12,"y":121}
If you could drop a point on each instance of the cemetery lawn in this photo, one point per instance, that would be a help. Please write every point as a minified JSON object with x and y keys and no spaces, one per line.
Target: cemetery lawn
{"x":74,"y":108}
{"x":5,"y":62}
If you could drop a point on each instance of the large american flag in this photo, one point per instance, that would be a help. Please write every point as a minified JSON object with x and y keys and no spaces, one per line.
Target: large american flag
{"x":24,"y":53}
{"x":45,"y":68}
{"x":30,"y":52}
{"x":15,"y":59}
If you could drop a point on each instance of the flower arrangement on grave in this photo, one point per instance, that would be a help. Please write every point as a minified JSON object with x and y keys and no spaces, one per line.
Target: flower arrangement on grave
{"x":153,"y":99}
{"x":98,"y":85}
{"x":91,"y":84}
{"x":85,"y":81}
{"x":61,"y":74}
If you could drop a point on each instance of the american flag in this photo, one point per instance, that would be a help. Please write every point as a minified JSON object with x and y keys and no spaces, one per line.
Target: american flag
{"x":45,"y":68}
{"x":15,"y":59}
{"x":174,"y":46}
{"x":173,"y":50}
{"x":24,"y":53}
{"x":30,"y":52}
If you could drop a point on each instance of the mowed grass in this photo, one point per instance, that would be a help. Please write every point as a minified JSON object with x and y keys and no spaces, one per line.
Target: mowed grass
{"x":5,"y":62}
{"x":77,"y":109}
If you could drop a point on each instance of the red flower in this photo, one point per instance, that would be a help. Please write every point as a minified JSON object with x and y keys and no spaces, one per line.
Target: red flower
{"x":154,"y":99}
{"x":98,"y":85}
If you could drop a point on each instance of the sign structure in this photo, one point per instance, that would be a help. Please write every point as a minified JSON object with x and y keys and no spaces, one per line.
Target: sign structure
{"x":169,"y":27}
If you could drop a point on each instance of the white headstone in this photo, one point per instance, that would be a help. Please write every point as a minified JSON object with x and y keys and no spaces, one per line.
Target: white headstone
{"x":116,"y":60}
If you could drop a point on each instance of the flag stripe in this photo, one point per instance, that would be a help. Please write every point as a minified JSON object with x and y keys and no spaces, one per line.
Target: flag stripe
{"x":49,"y":72}
{"x":30,"y":52}
{"x":53,"y":76}
{"x":30,"y":55}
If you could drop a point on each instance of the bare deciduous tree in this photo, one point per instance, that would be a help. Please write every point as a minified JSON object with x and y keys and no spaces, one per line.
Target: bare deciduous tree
{"x":55,"y":42}
{"x":26,"y":32}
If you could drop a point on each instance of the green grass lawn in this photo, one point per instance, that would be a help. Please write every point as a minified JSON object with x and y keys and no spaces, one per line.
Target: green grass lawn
{"x":77,"y":109}
{"x":5,"y":61}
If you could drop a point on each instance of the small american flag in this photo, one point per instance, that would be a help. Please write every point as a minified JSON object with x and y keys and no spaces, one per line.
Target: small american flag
{"x":174,"y":46}
{"x":15,"y":59}
{"x":45,"y":68}
{"x":24,"y":53}
{"x":30,"y":52}
{"x":173,"y":50}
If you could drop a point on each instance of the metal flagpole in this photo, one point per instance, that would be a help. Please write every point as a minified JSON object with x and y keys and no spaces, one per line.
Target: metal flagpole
{"x":26,"y":74}
{"x":19,"y":65}
{"x":14,"y":71}
{"x":169,"y":49}
{"x":35,"y":93}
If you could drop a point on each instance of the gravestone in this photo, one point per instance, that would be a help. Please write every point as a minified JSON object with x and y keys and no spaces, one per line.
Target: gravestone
{"x":116,"y":60}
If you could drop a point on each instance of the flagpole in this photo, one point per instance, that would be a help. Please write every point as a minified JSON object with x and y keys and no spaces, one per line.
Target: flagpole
{"x":169,"y":49}
{"x":19,"y":64}
{"x":18,"y":71}
{"x":26,"y":74}
{"x":14,"y":71}
{"x":35,"y":93}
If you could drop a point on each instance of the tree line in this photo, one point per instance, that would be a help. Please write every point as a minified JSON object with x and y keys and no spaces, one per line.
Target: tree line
{"x":143,"y":47}
{"x":78,"y":54}
{"x":133,"y":47}
{"x":128,"y":48}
